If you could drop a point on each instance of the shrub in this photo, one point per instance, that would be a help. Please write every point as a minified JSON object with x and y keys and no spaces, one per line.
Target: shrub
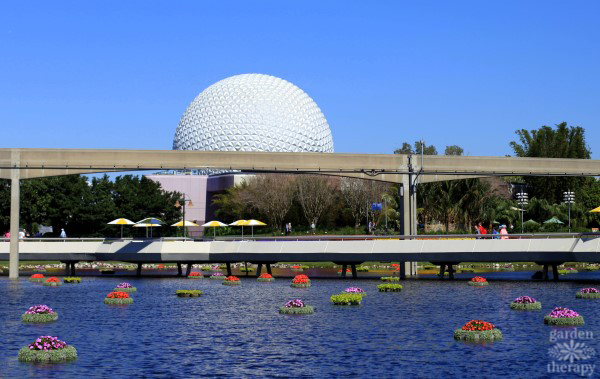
{"x":47,"y":349}
{"x":346,"y":299}
{"x":478,"y":330}
{"x":53,"y":282}
{"x":118,"y":298}
{"x":265,"y":278}
{"x":563,"y":316}
{"x":390,"y":278}
{"x":588,"y":293}
{"x":296,"y":307}
{"x":231,"y":281}
{"x":37,"y":278}
{"x":189,"y":293}
{"x":525,"y":303}
{"x":39,"y":313}
{"x":389,"y":287}
{"x":478,"y":281}
{"x":72,"y":279}
{"x":125,"y":287}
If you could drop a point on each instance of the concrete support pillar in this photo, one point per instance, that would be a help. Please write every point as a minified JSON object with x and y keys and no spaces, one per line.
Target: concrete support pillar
{"x":179,"y":270}
{"x":228,"y":268}
{"x":258,"y":269}
{"x":15,"y":193}
{"x":451,"y":271}
{"x":554,"y":271}
{"x":139,"y":270}
{"x":72,"y":268}
{"x":344,"y":268}
{"x":545,"y":276}
{"x":246,"y":265}
{"x":402,"y":266}
{"x":354,"y":274}
{"x":442,"y":270}
{"x":269,"y":269}
{"x":188,"y":270}
{"x":406,"y":206}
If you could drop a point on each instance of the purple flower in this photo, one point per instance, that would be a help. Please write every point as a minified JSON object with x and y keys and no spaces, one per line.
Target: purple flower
{"x":217,"y":274}
{"x":589,"y":290}
{"x":47,"y":343}
{"x":560,"y":312}
{"x":124,"y":285}
{"x":39,"y":309}
{"x":354,"y":290}
{"x":294,"y":304}
{"x":525,"y":300}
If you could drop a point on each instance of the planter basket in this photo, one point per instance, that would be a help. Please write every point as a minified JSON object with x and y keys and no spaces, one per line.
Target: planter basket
{"x":117,"y":301}
{"x":588,"y":295}
{"x":231,"y":282}
{"x":217,"y":277}
{"x":189,"y":293}
{"x":478,"y":284}
{"x":68,"y":353}
{"x":39,"y":317}
{"x":390,"y":278}
{"x":72,"y":280}
{"x":564,"y":321}
{"x":37,"y":280}
{"x":265,"y":279}
{"x":131,"y":289}
{"x":389,"y":287}
{"x":306,"y":310}
{"x":196,"y":277}
{"x":526,"y":306}
{"x":53,"y":284}
{"x":478,"y":336}
{"x":301,"y":285}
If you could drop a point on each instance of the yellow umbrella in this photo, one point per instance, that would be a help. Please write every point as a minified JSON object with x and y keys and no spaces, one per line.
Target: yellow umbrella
{"x":214,"y":225}
{"x":186,"y":224}
{"x":121,"y":221}
{"x":596,"y":210}
{"x":254,"y":223}
{"x":241,"y":223}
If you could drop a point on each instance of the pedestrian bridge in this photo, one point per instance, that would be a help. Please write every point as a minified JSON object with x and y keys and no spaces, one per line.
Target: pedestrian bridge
{"x":550,"y":248}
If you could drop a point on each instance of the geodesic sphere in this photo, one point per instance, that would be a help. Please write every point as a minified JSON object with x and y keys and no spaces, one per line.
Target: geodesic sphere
{"x":253,"y":112}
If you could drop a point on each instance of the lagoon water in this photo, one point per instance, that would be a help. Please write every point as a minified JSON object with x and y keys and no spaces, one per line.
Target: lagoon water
{"x":237,"y":331}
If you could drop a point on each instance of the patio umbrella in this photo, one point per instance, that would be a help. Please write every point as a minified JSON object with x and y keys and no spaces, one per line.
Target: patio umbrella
{"x":596,"y":210}
{"x":121,"y":221}
{"x":241,"y":223}
{"x":185,"y":224}
{"x":531,"y":222}
{"x":214,"y":225}
{"x":553,"y":220}
{"x":254,"y":223}
{"x":149,"y":222}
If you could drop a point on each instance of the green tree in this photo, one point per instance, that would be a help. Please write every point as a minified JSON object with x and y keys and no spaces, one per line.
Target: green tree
{"x":453,"y":150}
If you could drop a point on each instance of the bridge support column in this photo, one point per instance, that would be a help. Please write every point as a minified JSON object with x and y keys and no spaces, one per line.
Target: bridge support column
{"x":269,"y":269}
{"x":354,"y":274}
{"x":344,"y":268}
{"x":228,"y":268}
{"x":138,"y":272}
{"x":450,"y":271}
{"x":246,"y":266}
{"x":188,"y":269}
{"x":555,"y":271}
{"x":442,"y":270}
{"x":179,"y":270}
{"x":71,"y":268}
{"x":258,"y":269}
{"x":402,"y":266}
{"x":545,"y":276}
{"x":15,"y":193}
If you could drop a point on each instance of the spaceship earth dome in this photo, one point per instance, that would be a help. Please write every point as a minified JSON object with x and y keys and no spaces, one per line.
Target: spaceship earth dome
{"x":253,"y":112}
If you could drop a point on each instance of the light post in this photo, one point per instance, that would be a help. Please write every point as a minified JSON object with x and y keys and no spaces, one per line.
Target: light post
{"x":522,"y":200}
{"x":181,"y":203}
{"x":569,"y":198}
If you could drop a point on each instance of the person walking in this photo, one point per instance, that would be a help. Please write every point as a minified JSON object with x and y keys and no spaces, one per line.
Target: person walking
{"x":503,"y":232}
{"x":494,"y":232}
{"x":478,"y":232}
{"x":63,"y":234}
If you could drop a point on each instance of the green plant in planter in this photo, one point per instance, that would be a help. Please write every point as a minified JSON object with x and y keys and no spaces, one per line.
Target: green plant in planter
{"x":125,"y":287}
{"x":39,"y":313}
{"x":232,"y":281}
{"x":478,"y":331}
{"x":189,"y":293}
{"x":205,"y":268}
{"x":248,"y":269}
{"x":478,"y":281}
{"x":526,"y":303}
{"x":118,"y":298}
{"x":390,"y":278}
{"x":265,"y":278}
{"x":362,"y":269}
{"x":389,"y":287}
{"x":588,"y":293}
{"x":217,"y":276}
{"x":53,"y":282}
{"x":296,"y":307}
{"x":466,"y":270}
{"x":568,"y":270}
{"x":47,"y":349}
{"x":563,"y":316}
{"x":72,"y":279}
{"x":195,"y":275}
{"x":346,"y":299}
{"x":37,"y":278}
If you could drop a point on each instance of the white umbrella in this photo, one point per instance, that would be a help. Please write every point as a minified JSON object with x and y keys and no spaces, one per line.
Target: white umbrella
{"x":121,"y":221}
{"x":185,"y":224}
{"x":241,"y":223}
{"x":214,"y":225}
{"x":254,"y":223}
{"x":149,"y":222}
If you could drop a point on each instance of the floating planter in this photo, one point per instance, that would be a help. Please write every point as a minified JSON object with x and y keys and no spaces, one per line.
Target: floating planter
{"x":205,"y":268}
{"x":118,"y":298}
{"x":232,"y":281}
{"x":301,"y":281}
{"x":390,"y":278}
{"x":478,"y":331}
{"x":362,"y":269}
{"x":355,"y":290}
{"x":389,"y":287}
{"x":466,"y":270}
{"x":348,"y":271}
{"x":296,"y":307}
{"x":39,"y":313}
{"x":246,"y":269}
{"x":346,"y":299}
{"x":217,"y":275}
{"x":195,"y":275}
{"x":568,"y":270}
{"x":563,"y":316}
{"x":588,"y":293}
{"x":296,"y":268}
{"x":37,"y":278}
{"x":189,"y":293}
{"x":526,"y":303}
{"x":47,"y":349}
{"x":125,"y":287}
{"x":72,"y":279}
{"x":508,"y":267}
{"x":478,"y":281}
{"x":53,"y":282}
{"x":265,"y":278}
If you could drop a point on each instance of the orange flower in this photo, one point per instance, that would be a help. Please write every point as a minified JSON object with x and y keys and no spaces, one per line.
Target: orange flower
{"x":53,"y":280}
{"x":37,"y":276}
{"x":118,"y":295}
{"x":232,"y":279}
{"x":266,"y":276}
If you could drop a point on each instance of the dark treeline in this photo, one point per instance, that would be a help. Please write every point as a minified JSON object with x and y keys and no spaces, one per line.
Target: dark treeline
{"x":83,"y":207}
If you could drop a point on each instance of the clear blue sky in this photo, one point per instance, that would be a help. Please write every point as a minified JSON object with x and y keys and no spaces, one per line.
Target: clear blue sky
{"x":119,"y":74}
